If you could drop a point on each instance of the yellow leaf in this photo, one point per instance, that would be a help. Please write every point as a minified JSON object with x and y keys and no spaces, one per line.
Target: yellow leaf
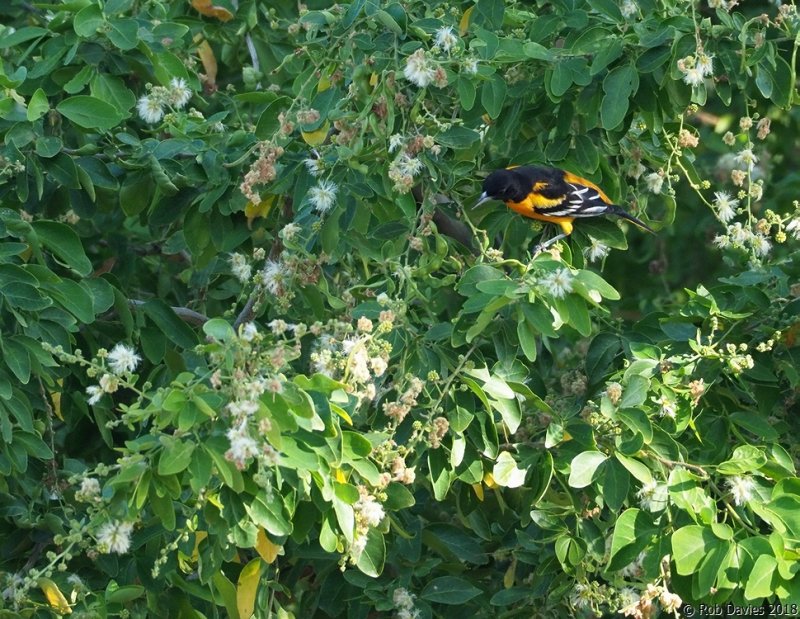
{"x":317,"y":137}
{"x":266,"y":548}
{"x":478,"y":489}
{"x":199,"y":536}
{"x":55,"y":396}
{"x":341,"y":412}
{"x":463,"y":25}
{"x":205,"y":7}
{"x":251,"y":211}
{"x":247,"y":588}
{"x":339,"y":475}
{"x":488,"y":479}
{"x":54,"y":596}
{"x":510,"y":575}
{"x":324,"y":84}
{"x":209,"y":62}
{"x":373,"y":80}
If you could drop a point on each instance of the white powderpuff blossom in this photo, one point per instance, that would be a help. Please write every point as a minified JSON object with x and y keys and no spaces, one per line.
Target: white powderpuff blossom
{"x":240,"y":268}
{"x":179,"y":92}
{"x":557,"y":283}
{"x":653,"y":496}
{"x":746,"y":158}
{"x":470,"y":66}
{"x":596,"y":251}
{"x":95,"y":393}
{"x":741,"y":489}
{"x":272,"y":276}
{"x":314,"y":166}
{"x":123,"y":359}
{"x":323,"y":196}
{"x":243,"y":446}
{"x":761,"y":245}
{"x":445,"y":38}
{"x":378,"y":365}
{"x":671,"y":602}
{"x":654,"y":182}
{"x":115,"y":536}
{"x":109,"y":383}
{"x":150,"y":109}
{"x":693,"y":76}
{"x":89,"y":490}
{"x":628,"y":9}
{"x":793,"y":228}
{"x":418,"y":69}
{"x":370,"y":510}
{"x":725,"y":205}
{"x":248,"y":332}
{"x":705,"y":63}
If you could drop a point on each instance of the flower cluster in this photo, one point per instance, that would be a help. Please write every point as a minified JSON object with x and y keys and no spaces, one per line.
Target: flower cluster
{"x":115,"y":369}
{"x":697,"y":68}
{"x":262,"y":171}
{"x":368,"y":514}
{"x":151,"y":106}
{"x":404,"y":603}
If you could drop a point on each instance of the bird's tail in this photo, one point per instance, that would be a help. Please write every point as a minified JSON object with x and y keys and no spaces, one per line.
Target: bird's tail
{"x":620,"y":212}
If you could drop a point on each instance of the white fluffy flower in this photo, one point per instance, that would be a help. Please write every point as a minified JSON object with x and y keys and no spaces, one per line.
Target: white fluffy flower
{"x":243,"y":446}
{"x":115,"y":537}
{"x":272,"y":276}
{"x":150,"y":110}
{"x":654,"y":181}
{"x":705,"y":64}
{"x":725,"y":205}
{"x":653,"y":496}
{"x":123,"y":359}
{"x":445,"y":38}
{"x":741,"y":488}
{"x":323,"y":196}
{"x":95,"y":393}
{"x":248,"y":332}
{"x":793,"y":228}
{"x":694,"y":76}
{"x":89,"y":490}
{"x":628,"y":9}
{"x":746,"y":158}
{"x":395,"y":142}
{"x":359,"y":544}
{"x":240,"y":268}
{"x":179,"y":92}
{"x":760,"y":244}
{"x":418,"y":69}
{"x":557,"y":283}
{"x":370,"y":510}
{"x":314,"y":166}
{"x":470,"y":66}
{"x":667,"y":407}
{"x":596,"y":251}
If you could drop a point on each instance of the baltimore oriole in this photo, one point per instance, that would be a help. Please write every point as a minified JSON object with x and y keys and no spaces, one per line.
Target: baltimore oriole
{"x":551,"y":195}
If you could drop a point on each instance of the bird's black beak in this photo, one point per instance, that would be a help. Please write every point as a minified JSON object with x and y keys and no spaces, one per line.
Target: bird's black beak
{"x":482,"y":199}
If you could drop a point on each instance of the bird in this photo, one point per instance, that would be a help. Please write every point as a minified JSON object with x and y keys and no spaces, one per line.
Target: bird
{"x":551,"y":195}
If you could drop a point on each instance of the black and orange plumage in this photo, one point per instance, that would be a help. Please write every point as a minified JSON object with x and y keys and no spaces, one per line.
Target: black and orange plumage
{"x":551,"y":195}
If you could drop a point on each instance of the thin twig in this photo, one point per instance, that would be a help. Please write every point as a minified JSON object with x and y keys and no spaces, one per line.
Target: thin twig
{"x":184,"y":313}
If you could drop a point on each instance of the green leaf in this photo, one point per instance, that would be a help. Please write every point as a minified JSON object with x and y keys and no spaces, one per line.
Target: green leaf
{"x":636,"y":468}
{"x":124,"y":33}
{"x":493,"y":95}
{"x":759,"y":582}
{"x":268,"y":123}
{"x":90,"y":112}
{"x":635,"y":392}
{"x":268,"y":512}
{"x":175,"y":456}
{"x":219,"y":329}
{"x":440,"y":474}
{"x":602,"y":350}
{"x":37,"y":106}
{"x":615,"y":484}
{"x":64,"y":243}
{"x":449,"y":590}
{"x":638,"y":421}
{"x":745,"y":459}
{"x":88,"y":20}
{"x":506,"y":473}
{"x":170,"y":325}
{"x":458,"y":137}
{"x":373,"y":557}
{"x":619,"y":86}
{"x":633,"y":532}
{"x":583,"y":468}
{"x":689,"y":547}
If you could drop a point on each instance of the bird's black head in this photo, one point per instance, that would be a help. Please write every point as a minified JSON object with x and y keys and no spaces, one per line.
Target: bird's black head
{"x":503,"y":185}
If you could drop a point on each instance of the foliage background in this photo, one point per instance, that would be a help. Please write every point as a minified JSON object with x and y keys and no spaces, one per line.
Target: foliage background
{"x":499,"y":434}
